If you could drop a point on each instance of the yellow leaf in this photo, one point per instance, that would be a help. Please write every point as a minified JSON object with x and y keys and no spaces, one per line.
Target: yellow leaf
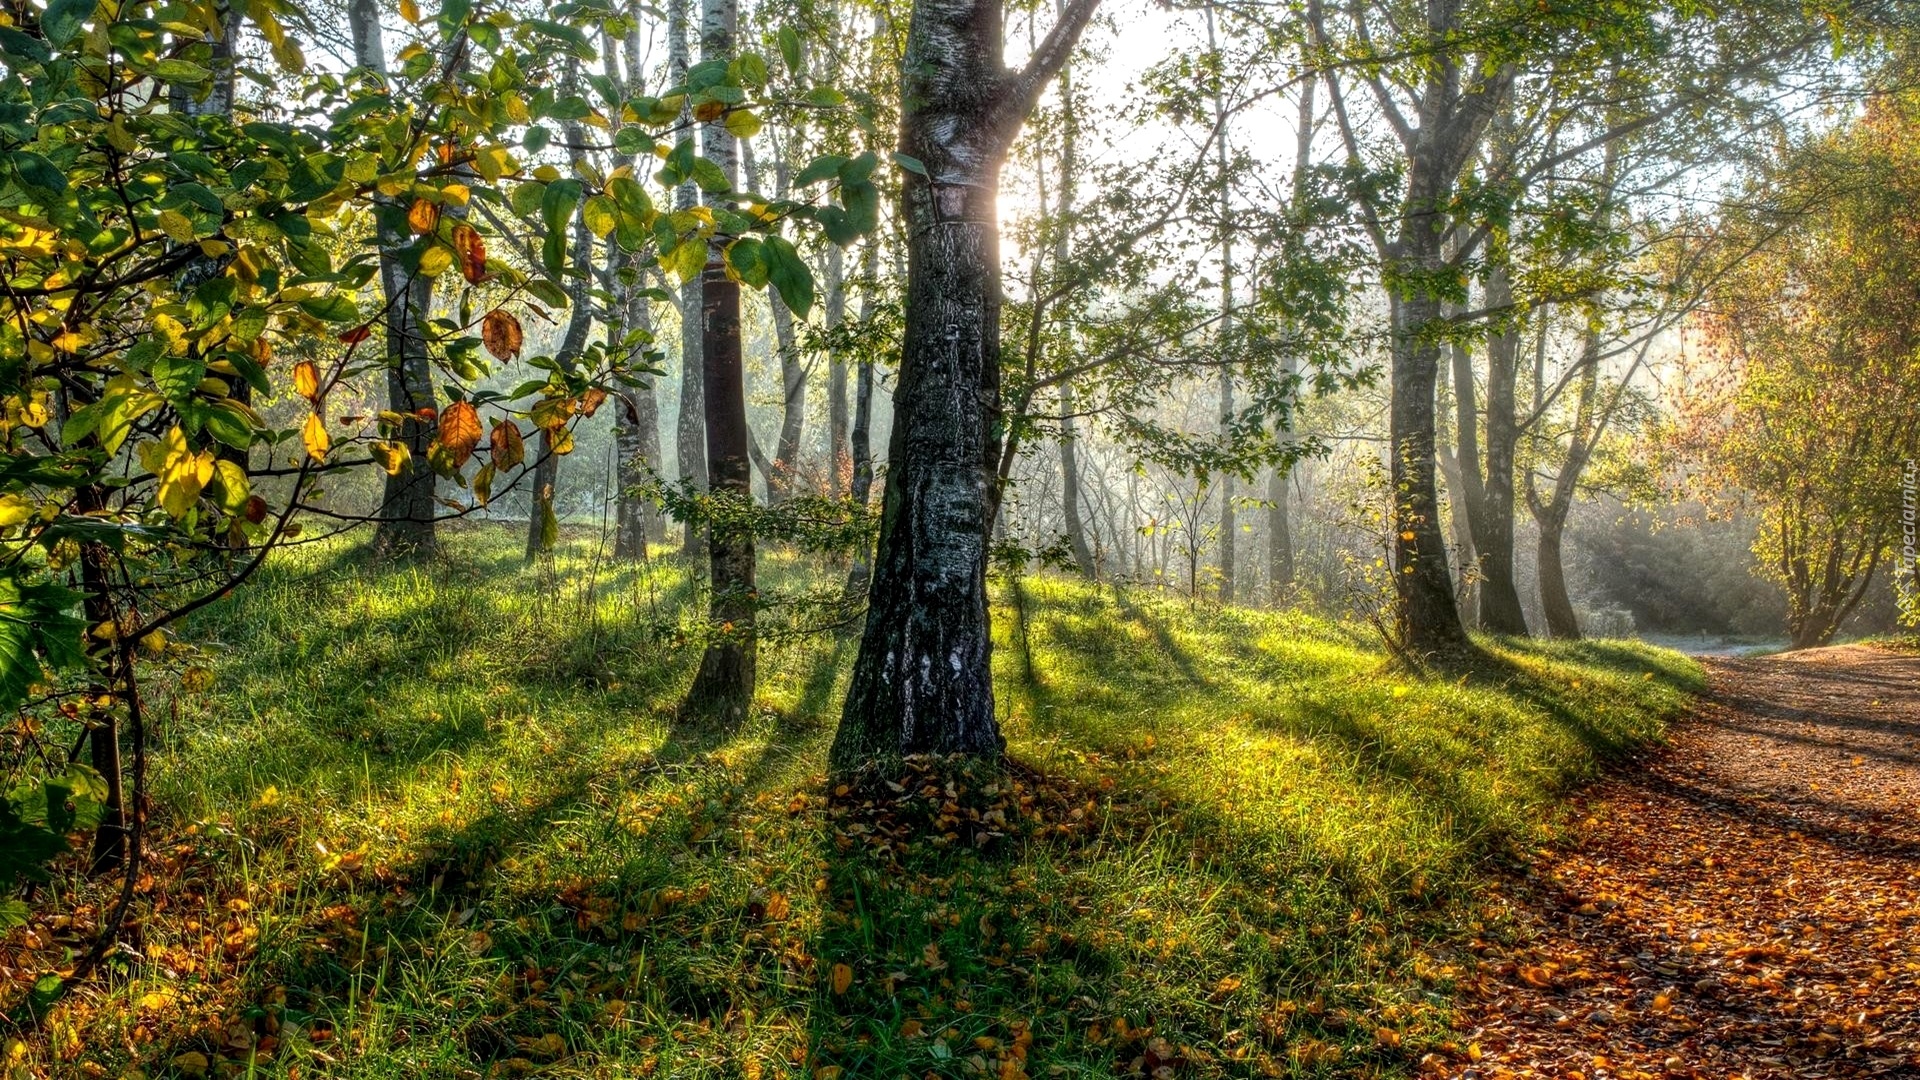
{"x":410,"y":11}
{"x":842,"y":979}
{"x":306,"y":380}
{"x":15,"y":510}
{"x":392,"y":456}
{"x":177,"y":226}
{"x":600,"y":215}
{"x":314,"y":435}
{"x":182,"y":472}
{"x":436,"y":260}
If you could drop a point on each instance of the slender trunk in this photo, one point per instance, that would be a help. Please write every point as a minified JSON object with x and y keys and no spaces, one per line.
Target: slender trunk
{"x":1457,"y":521}
{"x":1491,"y":506}
{"x":923,"y":681}
{"x":689,"y":438}
{"x":723,"y":687}
{"x":1551,"y":514}
{"x":1229,"y":528}
{"x":1280,"y":571}
{"x":839,"y":458}
{"x":636,"y":431}
{"x":860,"y":437}
{"x":793,"y":403}
{"x":543,"y":525}
{"x":1062,"y":251}
{"x":1279,"y":534}
{"x":103,"y":741}
{"x":407,"y":503}
{"x":1070,"y":487}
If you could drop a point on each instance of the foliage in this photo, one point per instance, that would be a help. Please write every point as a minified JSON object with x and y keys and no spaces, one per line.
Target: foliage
{"x":1812,"y":414}
{"x":178,"y":260}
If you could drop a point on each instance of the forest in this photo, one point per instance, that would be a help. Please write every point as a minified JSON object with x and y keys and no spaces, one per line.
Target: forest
{"x":959,"y":538}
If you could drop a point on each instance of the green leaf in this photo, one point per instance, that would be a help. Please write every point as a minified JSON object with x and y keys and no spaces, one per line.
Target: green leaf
{"x":547,"y":292}
{"x":747,"y":257}
{"x":685,"y":260}
{"x":709,"y":177}
{"x":630,"y":196}
{"x":750,"y":69}
{"x":64,"y":19}
{"x":909,"y":163}
{"x":790,"y":49}
{"x":333,"y":307}
{"x":35,"y":622}
{"x":176,"y":377}
{"x":181,"y":71}
{"x":632,"y":141}
{"x":821,"y":168}
{"x":37,"y":171}
{"x":789,"y":274}
{"x":557,"y":203}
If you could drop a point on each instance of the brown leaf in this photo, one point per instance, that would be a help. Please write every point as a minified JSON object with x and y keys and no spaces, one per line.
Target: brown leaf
{"x":500,"y":332}
{"x":709,"y":111}
{"x":459,"y":432}
{"x":842,"y":979}
{"x":506,"y":445}
{"x":472,"y":251}
{"x":591,"y":400}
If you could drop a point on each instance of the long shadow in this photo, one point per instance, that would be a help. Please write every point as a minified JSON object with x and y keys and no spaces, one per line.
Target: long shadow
{"x":1778,"y":820}
{"x":1767,"y":732}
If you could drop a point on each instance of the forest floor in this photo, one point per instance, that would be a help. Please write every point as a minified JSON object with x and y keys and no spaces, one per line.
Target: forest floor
{"x":1742,"y":902}
{"x":442,"y":822}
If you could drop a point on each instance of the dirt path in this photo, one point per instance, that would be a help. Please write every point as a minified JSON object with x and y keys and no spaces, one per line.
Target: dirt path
{"x":1744,"y":903}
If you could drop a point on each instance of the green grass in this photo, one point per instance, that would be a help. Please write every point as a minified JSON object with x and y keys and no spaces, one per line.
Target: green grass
{"x":440,"y":822}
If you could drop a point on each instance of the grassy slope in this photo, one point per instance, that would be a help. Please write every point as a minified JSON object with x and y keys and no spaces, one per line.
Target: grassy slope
{"x":440,"y":824}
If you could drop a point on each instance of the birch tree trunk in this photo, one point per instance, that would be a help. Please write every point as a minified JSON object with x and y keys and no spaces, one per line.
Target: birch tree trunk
{"x":923,"y":681}
{"x":860,"y":436}
{"x":636,"y":430}
{"x":407,"y":503}
{"x":839,"y":458}
{"x":690,"y":454}
{"x":1069,"y":448}
{"x":1229,"y":528}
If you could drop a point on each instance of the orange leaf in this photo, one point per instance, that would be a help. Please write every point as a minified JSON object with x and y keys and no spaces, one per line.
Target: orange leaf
{"x":842,"y":978}
{"x":423,"y":216}
{"x":459,"y":432}
{"x":358,"y":334}
{"x":507,"y":447}
{"x":590,"y":401}
{"x":500,"y":332}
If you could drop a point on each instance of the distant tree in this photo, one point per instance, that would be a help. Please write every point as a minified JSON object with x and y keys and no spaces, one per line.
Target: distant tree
{"x":1816,"y":408}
